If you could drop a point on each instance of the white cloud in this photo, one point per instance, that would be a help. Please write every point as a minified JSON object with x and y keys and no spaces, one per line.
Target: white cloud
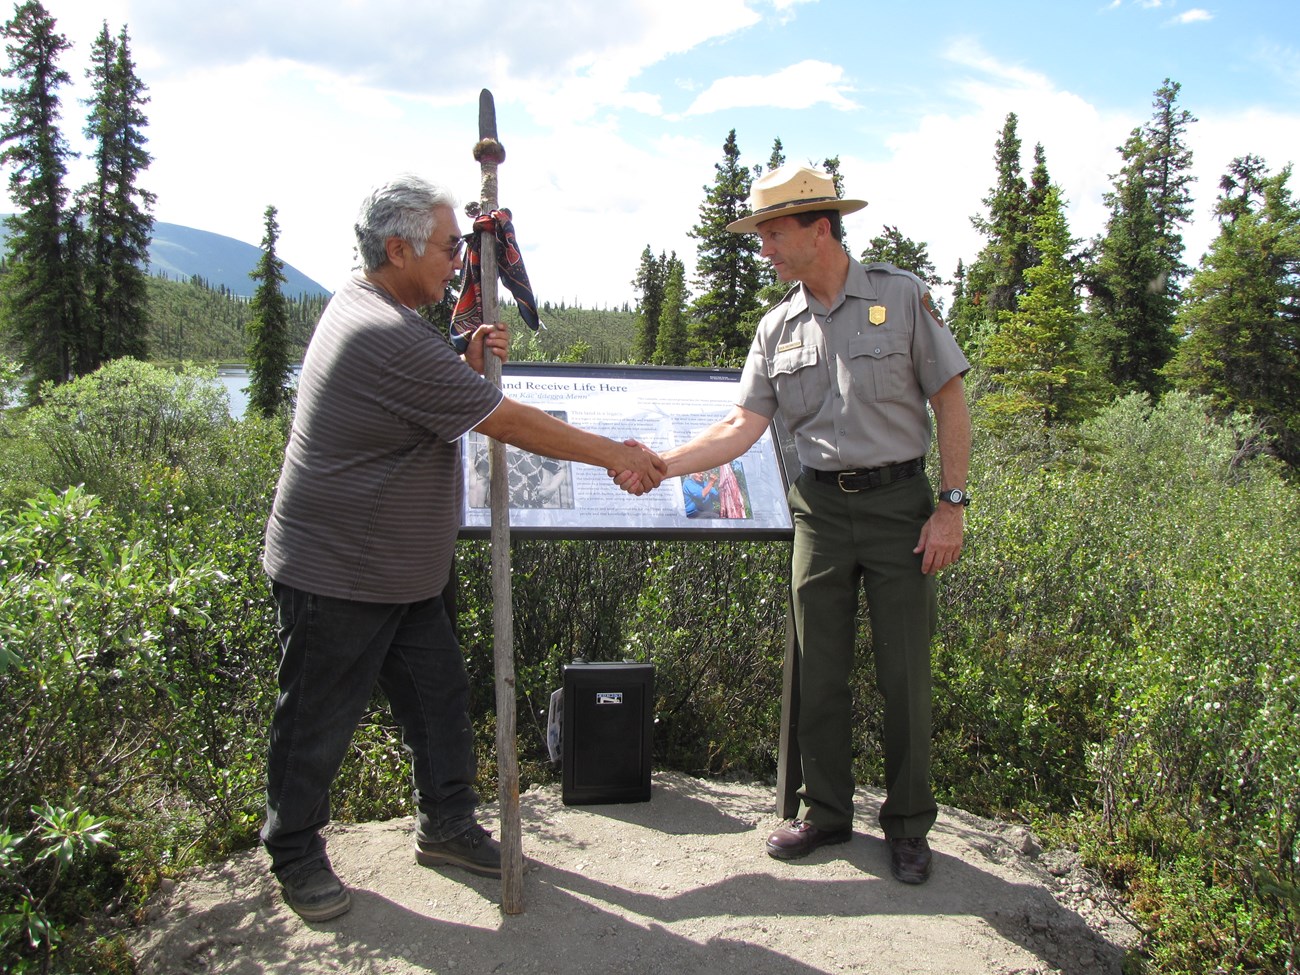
{"x":798,"y":86}
{"x":1284,"y":62}
{"x":938,"y":172}
{"x":1193,"y":16}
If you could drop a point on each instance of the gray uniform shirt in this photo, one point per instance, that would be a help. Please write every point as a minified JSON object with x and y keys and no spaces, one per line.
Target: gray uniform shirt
{"x":852,"y":381}
{"x":368,"y":504}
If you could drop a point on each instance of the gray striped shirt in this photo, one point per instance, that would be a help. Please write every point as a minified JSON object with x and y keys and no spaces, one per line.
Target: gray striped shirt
{"x":368,"y":504}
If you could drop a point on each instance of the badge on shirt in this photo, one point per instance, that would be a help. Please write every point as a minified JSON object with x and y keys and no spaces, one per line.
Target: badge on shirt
{"x":876,"y":314}
{"x":787,"y":346}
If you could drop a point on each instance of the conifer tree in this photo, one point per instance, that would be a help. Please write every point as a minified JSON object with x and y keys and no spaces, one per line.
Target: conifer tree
{"x":777,"y":159}
{"x":269,"y":347}
{"x":1136,"y":277}
{"x":1241,"y":313}
{"x":831,"y":166}
{"x":999,"y":272}
{"x":42,"y":288}
{"x":650,"y":280}
{"x":893,"y":248}
{"x":1169,"y":170}
{"x":673,"y":348}
{"x":729,"y":272}
{"x":1035,"y":351}
{"x":117,"y":209}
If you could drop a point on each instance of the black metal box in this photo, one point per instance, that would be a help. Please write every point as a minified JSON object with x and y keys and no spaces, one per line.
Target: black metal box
{"x":606,"y":739}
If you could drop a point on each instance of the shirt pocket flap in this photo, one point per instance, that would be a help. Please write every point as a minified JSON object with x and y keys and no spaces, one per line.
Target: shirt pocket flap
{"x":878,"y":344}
{"x":790,"y":361}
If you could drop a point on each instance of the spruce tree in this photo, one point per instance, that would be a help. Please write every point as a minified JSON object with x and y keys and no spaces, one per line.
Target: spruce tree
{"x":1169,"y":173}
{"x":729,"y":272}
{"x":673,"y":349}
{"x":1241,"y":313}
{"x":831,"y":166}
{"x":991,"y":285}
{"x":998,"y":275}
{"x":777,"y":159}
{"x":651,"y":277}
{"x":1135,"y":279}
{"x":269,"y":346}
{"x":1035,"y":351}
{"x":893,"y":248}
{"x":42,"y":287}
{"x":118,"y":221}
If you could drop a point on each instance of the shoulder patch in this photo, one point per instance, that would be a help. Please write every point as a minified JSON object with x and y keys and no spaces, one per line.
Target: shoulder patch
{"x":930,"y":309}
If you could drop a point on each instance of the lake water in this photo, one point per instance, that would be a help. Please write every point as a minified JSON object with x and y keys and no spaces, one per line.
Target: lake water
{"x":234,"y":377}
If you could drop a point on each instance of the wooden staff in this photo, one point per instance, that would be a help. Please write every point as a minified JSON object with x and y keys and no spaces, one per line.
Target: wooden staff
{"x":489,"y":154}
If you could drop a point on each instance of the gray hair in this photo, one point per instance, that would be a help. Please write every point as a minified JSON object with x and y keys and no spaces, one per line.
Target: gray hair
{"x":403,"y":207}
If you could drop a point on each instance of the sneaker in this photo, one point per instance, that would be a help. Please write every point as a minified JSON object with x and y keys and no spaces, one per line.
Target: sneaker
{"x":315,"y":893}
{"x":474,"y":850}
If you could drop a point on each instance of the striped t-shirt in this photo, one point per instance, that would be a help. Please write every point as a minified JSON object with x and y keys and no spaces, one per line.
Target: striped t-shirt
{"x":368,"y":504}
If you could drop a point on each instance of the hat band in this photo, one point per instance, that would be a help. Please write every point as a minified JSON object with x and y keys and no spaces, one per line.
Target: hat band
{"x":791,"y":203}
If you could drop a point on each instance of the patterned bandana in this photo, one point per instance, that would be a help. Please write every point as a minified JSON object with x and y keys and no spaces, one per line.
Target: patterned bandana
{"x":468,"y":315}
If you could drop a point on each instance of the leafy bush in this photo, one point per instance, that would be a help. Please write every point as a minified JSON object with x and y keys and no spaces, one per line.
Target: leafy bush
{"x":136,"y":648}
{"x":1120,"y":643}
{"x":110,"y":430}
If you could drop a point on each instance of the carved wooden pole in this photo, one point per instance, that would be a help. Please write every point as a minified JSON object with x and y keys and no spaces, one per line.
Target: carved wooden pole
{"x":489,"y":154}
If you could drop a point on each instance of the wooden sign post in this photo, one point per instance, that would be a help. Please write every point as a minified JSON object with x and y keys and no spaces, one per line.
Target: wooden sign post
{"x":489,"y":154}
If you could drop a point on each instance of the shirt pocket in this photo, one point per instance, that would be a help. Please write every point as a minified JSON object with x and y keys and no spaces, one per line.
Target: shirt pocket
{"x":880,"y":366}
{"x":797,"y":381}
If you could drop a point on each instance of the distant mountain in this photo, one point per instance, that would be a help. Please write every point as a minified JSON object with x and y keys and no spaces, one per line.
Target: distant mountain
{"x":180,"y":253}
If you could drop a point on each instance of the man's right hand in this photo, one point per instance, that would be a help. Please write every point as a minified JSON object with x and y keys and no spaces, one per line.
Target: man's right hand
{"x":642,"y":469}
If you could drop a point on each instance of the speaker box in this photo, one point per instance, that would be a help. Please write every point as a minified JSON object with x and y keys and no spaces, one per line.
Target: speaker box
{"x":606,"y":741}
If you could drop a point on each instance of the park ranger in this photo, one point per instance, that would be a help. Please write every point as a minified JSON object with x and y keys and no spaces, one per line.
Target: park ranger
{"x":850,"y":357}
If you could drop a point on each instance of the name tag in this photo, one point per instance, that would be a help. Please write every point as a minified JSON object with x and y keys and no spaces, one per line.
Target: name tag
{"x":787,"y":346}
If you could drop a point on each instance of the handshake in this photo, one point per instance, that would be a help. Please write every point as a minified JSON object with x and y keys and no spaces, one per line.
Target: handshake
{"x":638,"y":469}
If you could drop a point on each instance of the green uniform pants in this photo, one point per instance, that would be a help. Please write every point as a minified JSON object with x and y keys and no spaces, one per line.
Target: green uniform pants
{"x":845,"y":543}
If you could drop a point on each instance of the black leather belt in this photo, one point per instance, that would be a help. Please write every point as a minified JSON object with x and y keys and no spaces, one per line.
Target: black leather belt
{"x":869,"y":477}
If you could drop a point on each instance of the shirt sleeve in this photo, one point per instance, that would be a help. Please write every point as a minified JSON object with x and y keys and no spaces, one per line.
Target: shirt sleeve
{"x":429,"y":385}
{"x":936,"y":356}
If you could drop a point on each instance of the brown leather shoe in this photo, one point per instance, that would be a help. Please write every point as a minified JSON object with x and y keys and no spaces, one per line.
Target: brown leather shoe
{"x":797,"y":839}
{"x":910,"y":859}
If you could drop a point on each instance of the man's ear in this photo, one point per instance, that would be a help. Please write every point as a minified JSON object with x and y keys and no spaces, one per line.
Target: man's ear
{"x":396,"y":249}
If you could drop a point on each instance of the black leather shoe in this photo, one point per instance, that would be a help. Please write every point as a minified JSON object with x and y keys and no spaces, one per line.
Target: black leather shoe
{"x":909,"y":859}
{"x":797,"y":839}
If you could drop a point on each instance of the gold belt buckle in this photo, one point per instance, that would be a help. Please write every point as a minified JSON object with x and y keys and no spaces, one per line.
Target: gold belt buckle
{"x":847,"y":490}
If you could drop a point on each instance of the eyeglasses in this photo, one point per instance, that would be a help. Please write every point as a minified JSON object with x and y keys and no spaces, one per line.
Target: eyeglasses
{"x":457,"y":250}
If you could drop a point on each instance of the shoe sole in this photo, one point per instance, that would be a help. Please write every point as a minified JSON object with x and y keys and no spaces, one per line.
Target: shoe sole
{"x":833,"y":839}
{"x":325,"y":912}
{"x":443,"y":860}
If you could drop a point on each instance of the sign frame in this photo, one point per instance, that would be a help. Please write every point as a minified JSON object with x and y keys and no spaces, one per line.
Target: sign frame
{"x":661,"y":406}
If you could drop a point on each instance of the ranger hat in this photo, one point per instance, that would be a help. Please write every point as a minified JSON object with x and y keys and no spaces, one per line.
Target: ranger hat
{"x":788,"y":190}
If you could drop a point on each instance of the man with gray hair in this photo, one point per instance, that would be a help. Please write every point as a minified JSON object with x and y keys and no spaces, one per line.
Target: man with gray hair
{"x":360,"y":539}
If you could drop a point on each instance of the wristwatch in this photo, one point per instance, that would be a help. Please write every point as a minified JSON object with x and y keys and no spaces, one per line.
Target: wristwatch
{"x":955,"y":496}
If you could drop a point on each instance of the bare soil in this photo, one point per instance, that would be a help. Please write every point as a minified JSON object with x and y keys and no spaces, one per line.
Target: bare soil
{"x":680,"y":884}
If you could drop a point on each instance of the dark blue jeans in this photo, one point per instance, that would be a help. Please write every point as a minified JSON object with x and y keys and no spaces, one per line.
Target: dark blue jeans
{"x":334,"y":651}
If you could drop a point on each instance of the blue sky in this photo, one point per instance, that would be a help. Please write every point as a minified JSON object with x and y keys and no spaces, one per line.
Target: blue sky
{"x":613,"y":113}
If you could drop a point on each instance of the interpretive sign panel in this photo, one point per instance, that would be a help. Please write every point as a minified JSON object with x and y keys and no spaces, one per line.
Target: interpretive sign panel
{"x":659,"y":406}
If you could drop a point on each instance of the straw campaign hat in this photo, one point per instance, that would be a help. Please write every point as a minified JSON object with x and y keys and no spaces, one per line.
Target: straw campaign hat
{"x":788,"y":190}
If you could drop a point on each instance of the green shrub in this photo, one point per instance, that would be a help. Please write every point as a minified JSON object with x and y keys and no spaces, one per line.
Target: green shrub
{"x":1121,"y":641}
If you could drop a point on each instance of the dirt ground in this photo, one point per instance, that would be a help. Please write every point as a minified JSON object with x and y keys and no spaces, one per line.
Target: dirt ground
{"x":680,"y":884}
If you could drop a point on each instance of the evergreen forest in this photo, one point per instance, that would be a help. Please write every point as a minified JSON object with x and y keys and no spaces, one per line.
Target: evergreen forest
{"x":1118,"y":664}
